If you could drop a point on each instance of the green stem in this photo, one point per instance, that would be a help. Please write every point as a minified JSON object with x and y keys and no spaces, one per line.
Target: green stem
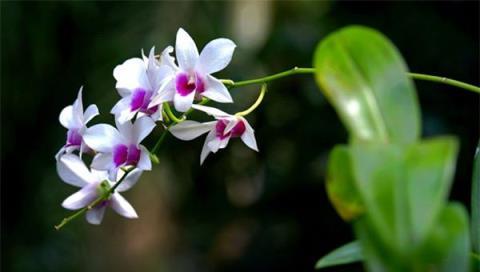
{"x":293,"y":71}
{"x":170,"y":114}
{"x":445,"y":80}
{"x":297,"y":70}
{"x":95,"y":202}
{"x":257,"y":102}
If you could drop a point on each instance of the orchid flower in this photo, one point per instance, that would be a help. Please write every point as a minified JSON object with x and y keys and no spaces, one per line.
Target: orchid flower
{"x":138,"y":80}
{"x":119,"y":148}
{"x":192,"y":78}
{"x":94,"y":184}
{"x":220,"y":131}
{"x":75,"y":119}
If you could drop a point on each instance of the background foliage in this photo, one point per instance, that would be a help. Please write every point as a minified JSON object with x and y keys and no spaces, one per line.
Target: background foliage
{"x":241,"y":210}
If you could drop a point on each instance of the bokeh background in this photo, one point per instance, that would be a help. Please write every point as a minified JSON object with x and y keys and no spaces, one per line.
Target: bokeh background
{"x":240,"y":211}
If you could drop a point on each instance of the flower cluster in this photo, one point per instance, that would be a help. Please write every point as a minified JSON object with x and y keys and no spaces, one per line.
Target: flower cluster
{"x":148,"y":86}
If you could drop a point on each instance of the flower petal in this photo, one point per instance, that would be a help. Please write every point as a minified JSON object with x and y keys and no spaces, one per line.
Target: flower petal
{"x":66,"y":117}
{"x":95,"y":215}
{"x":131,"y":75}
{"x":216,"y":90}
{"x":81,"y":198}
{"x":166,"y":92}
{"x":78,"y":107}
{"x":142,"y":128}
{"x":248,"y":137}
{"x":183,"y":103}
{"x":211,"y":111}
{"x":102,"y":137}
{"x":122,"y":207}
{"x":102,"y":161}
{"x":73,"y":171}
{"x":144,"y":162}
{"x":205,"y":148}
{"x":186,"y":51}
{"x":216,"y":55}
{"x":130,"y":180}
{"x":189,"y":130}
{"x":90,"y":112}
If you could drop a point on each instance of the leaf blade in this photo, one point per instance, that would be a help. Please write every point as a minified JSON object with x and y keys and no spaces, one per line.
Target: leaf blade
{"x":348,"y":253}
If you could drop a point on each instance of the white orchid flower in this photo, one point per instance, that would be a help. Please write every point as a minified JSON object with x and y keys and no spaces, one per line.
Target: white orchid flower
{"x":138,"y":80}
{"x":119,"y":148}
{"x":75,"y":120}
{"x":192,"y":77}
{"x":220,"y":131}
{"x":93,"y":184}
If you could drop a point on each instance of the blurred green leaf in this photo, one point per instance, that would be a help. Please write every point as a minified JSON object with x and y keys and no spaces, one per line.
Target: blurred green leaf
{"x":475,"y":224}
{"x":365,"y":78}
{"x":447,"y":248}
{"x":341,"y":187}
{"x":429,"y":167}
{"x":348,"y":253}
{"x":404,"y":187}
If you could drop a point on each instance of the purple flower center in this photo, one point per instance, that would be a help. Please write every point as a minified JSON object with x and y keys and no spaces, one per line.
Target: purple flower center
{"x":140,"y":100}
{"x":236,"y":131}
{"x":73,"y":137}
{"x":185,"y":84}
{"x":123,"y":155}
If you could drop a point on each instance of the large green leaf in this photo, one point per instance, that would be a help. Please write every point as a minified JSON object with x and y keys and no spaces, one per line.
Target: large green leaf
{"x":349,"y":253}
{"x":365,"y":78}
{"x":404,"y":187}
{"x":475,"y":224}
{"x":341,"y":188}
{"x":447,"y":247}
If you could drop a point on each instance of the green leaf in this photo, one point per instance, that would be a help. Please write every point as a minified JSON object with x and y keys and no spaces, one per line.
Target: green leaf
{"x":404,"y":187}
{"x":475,"y":224}
{"x":365,"y":78}
{"x":349,"y":253}
{"x":341,"y":188}
{"x":429,"y":166}
{"x":447,"y":248}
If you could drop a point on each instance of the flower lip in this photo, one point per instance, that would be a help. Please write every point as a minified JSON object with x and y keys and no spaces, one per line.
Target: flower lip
{"x":236,"y":131}
{"x":123,"y":155}
{"x":73,"y":137}
{"x":141,"y":98}
{"x":186,"y":84}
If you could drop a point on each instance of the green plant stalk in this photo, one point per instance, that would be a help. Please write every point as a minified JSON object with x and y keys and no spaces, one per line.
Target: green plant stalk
{"x":94,"y":203}
{"x":297,"y":70}
{"x":263,"y":90}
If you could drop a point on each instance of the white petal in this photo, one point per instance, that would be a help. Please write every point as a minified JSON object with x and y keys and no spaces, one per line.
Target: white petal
{"x":142,"y":128}
{"x":165,"y":93}
{"x":90,"y":112}
{"x":78,"y":106}
{"x":102,"y":137}
{"x":216,"y":55}
{"x":131,"y":75}
{"x":232,"y":122}
{"x":144,"y":162}
{"x":122,"y":207}
{"x":66,"y":117}
{"x":95,"y":215}
{"x":205,"y":148}
{"x":183,"y":103}
{"x":73,"y":171}
{"x":217,"y":144}
{"x":167,"y":59}
{"x":130,"y":180}
{"x":81,"y":198}
{"x":102,"y":161}
{"x":211,"y":111}
{"x":186,"y":51}
{"x":216,"y":90}
{"x":121,"y":105}
{"x":248,"y":137}
{"x":189,"y":130}
{"x":60,"y":153}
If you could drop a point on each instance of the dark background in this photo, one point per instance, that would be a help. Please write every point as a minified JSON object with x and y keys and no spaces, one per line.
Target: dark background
{"x":240,"y":211}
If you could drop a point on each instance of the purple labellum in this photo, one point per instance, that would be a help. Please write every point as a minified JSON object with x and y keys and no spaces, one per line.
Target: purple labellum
{"x":141,"y":98}
{"x":236,"y":131}
{"x":186,"y":84}
{"x":123,"y":155}
{"x":73,"y":137}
